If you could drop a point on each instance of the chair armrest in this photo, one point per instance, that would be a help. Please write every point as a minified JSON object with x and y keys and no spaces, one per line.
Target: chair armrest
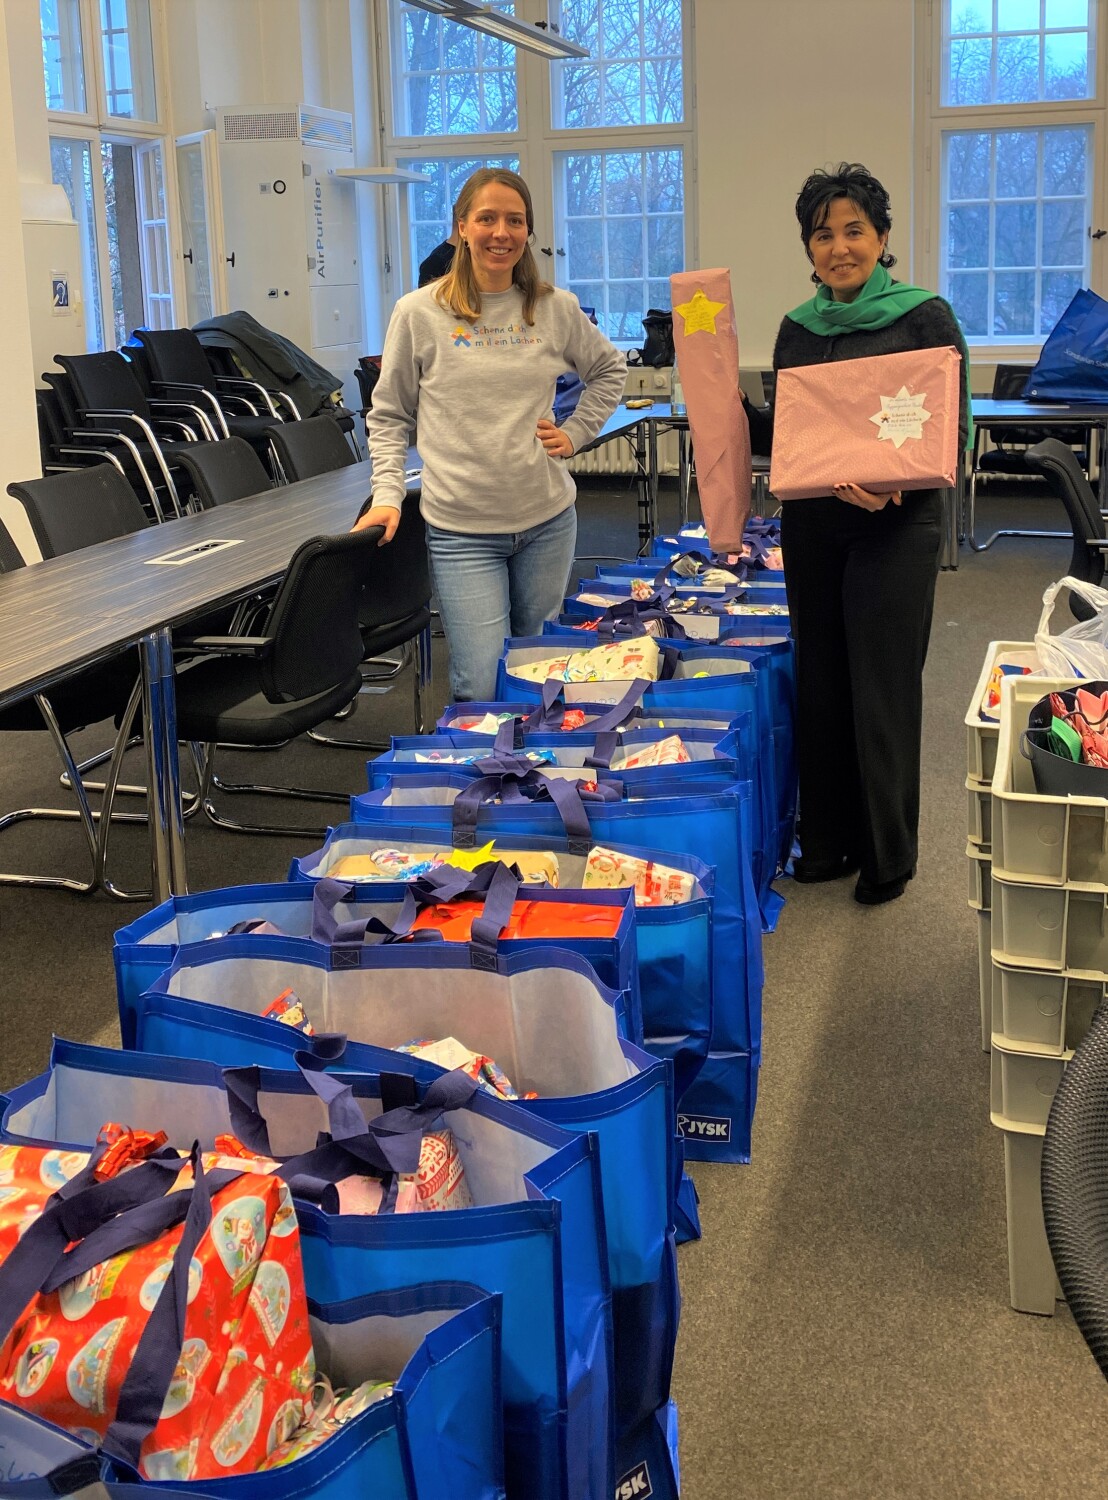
{"x":225,"y":645}
{"x":223,"y":381}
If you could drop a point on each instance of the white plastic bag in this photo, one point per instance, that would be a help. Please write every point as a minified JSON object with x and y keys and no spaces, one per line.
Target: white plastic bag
{"x":1081,"y":650}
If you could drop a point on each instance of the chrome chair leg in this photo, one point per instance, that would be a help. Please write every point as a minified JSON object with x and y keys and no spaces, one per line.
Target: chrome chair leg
{"x":205,"y":761}
{"x":419,"y":657}
{"x":122,"y":740}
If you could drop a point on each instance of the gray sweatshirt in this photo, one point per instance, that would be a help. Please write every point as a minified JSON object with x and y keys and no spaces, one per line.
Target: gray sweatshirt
{"x":478,"y":391}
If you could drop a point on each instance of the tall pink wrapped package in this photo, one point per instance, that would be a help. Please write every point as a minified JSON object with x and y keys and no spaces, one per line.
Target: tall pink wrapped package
{"x":708,"y":362}
{"x":889,"y":422}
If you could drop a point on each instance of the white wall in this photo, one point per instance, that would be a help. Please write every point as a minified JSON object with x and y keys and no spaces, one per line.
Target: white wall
{"x":19,"y":457}
{"x":783,"y":87}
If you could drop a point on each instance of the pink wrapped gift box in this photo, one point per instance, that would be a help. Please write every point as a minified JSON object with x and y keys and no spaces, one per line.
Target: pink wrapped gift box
{"x":889,"y":422}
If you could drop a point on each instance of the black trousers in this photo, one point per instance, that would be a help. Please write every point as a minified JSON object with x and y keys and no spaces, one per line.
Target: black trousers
{"x":861,"y":589}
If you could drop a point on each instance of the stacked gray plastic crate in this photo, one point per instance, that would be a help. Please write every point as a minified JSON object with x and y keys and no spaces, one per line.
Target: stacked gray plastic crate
{"x":1049,"y":894}
{"x":982,"y":736}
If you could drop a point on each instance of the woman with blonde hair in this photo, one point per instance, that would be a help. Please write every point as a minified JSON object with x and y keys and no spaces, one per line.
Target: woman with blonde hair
{"x":476,"y":356}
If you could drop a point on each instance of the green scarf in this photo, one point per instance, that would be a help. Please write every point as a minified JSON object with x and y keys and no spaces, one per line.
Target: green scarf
{"x":880,"y":302}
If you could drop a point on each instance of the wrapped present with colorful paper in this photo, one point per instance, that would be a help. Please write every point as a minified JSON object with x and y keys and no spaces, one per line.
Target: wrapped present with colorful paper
{"x":529,"y":919}
{"x":654,"y":884}
{"x":536,"y":866}
{"x":288,"y":1010}
{"x":886,"y":422}
{"x":669,"y":751}
{"x":244,"y":1364}
{"x":330,"y":1411}
{"x":439,"y":1182}
{"x":450,"y":1053}
{"x":620,"y":661}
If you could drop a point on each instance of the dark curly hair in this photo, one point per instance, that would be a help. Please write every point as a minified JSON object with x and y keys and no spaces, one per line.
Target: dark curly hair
{"x":848,"y":180}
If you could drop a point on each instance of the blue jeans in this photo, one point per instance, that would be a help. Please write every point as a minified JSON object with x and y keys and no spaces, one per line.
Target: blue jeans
{"x":495,"y":585}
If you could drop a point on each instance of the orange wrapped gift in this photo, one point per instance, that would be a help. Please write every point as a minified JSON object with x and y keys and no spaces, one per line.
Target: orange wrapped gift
{"x":889,"y":422}
{"x":244,"y":1366}
{"x":530,"y":919}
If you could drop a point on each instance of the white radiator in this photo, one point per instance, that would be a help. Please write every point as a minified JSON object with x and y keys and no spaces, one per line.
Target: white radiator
{"x":617,"y":457}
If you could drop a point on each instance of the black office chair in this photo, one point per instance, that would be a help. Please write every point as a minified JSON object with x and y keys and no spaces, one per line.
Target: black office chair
{"x":314,"y":446}
{"x":395,"y":611}
{"x":1008,"y":459}
{"x":67,"y":511}
{"x":1075,"y":1186}
{"x":179,"y":369}
{"x":109,"y":397}
{"x":1060,"y":467}
{"x":262,"y":690}
{"x":223,"y":471}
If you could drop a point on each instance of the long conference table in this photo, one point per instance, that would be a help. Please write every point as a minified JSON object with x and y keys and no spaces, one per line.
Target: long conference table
{"x":66,"y":613}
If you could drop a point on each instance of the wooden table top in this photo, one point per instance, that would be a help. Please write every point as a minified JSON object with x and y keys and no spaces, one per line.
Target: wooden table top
{"x":65,"y":612}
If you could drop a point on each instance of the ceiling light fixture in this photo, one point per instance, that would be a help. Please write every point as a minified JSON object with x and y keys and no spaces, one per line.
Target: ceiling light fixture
{"x":531,"y":36}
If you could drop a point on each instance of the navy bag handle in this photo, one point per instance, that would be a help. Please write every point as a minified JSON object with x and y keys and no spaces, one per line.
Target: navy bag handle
{"x":390,"y":1143}
{"x":566,"y":796}
{"x":326,"y":929}
{"x":102,"y":1221}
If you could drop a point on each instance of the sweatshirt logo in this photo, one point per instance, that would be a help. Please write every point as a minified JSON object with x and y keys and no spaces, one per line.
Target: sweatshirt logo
{"x":460,"y":337}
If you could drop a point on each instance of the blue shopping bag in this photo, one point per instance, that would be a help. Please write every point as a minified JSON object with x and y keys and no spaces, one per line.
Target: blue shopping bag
{"x":733,"y":677}
{"x":554,"y":1035}
{"x":714,"y":824}
{"x":1073,"y":363}
{"x":333,"y":917}
{"x":673,"y":943}
{"x":535,"y":1234}
{"x":438,"y":1433}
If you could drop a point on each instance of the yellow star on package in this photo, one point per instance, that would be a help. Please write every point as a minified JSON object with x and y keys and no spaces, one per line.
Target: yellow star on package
{"x":901,"y":417}
{"x":700,"y":313}
{"x":470,"y":861}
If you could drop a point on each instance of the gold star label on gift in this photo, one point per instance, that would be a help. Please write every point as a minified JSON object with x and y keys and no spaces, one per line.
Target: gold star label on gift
{"x":901,"y":417}
{"x":700,"y":313}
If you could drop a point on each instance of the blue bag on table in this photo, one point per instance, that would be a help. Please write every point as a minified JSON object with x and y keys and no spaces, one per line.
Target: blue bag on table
{"x":715,"y":824}
{"x":535,"y":1234}
{"x":554,"y":1033}
{"x":1073,"y":363}
{"x":438,"y":1433}
{"x":334,"y":917}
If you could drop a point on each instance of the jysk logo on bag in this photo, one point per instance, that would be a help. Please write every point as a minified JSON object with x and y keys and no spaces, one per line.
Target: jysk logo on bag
{"x":705,"y":1128}
{"x":635,"y":1484}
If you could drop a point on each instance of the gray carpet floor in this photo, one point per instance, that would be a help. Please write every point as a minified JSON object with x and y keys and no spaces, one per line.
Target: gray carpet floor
{"x":846,"y":1328}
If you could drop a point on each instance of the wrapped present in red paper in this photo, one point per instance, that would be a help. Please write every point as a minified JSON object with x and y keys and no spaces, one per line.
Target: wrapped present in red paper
{"x":529,"y":919}
{"x":889,"y":422}
{"x":245,"y":1367}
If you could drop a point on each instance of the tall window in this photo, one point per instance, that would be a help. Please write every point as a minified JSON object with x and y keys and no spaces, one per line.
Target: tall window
{"x":1017,"y":125}
{"x":107,"y":150}
{"x":603,"y":142}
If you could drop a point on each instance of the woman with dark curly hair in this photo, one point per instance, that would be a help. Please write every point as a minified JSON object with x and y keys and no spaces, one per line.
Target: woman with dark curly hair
{"x":860,"y":567}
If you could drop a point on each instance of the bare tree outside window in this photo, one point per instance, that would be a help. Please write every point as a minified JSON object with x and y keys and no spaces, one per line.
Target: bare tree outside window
{"x":452,"y":80}
{"x":1016,"y":201}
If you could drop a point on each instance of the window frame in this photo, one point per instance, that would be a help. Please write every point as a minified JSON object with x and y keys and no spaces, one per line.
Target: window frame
{"x":935,"y":119}
{"x":537,"y":142}
{"x":97,"y":126}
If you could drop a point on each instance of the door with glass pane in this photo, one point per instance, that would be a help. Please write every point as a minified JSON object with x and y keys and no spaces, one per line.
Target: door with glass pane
{"x":153,"y":226}
{"x":205,"y":293}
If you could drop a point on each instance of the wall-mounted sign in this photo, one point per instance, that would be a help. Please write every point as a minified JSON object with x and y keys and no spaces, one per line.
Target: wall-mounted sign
{"x":59,"y":294}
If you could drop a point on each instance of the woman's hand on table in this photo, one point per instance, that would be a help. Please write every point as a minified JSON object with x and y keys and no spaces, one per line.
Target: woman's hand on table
{"x":379,"y":515}
{"x":553,"y":439}
{"x":854,"y":494}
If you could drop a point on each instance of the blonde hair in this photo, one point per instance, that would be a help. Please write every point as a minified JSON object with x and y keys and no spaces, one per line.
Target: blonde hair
{"x":458,"y":290}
